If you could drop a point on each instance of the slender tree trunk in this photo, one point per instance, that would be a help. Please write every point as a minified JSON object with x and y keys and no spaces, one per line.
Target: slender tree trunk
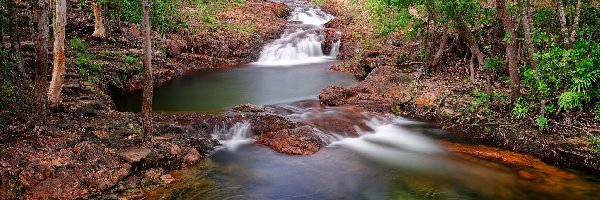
{"x":524,"y":9}
{"x":148,"y":80}
{"x":437,"y":57}
{"x":58,"y":72}
{"x":511,"y":50}
{"x":575,"y":25}
{"x":41,"y":85}
{"x":99,"y":29}
{"x":1,"y":30}
{"x":15,"y":40}
{"x":563,"y":22}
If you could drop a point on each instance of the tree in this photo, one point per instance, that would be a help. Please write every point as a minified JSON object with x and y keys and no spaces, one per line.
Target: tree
{"x":524,"y":12}
{"x":511,"y":49}
{"x":58,"y":72}
{"x":148,"y":80}
{"x":563,"y":22}
{"x":575,"y":24}
{"x":40,"y":98}
{"x":99,"y":30}
{"x":15,"y":41}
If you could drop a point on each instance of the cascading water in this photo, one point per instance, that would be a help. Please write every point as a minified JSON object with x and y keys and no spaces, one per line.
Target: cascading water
{"x":301,"y":40}
{"x":233,"y":137}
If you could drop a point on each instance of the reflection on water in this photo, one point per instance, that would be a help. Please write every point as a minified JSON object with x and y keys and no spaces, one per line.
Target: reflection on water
{"x":218,"y":89}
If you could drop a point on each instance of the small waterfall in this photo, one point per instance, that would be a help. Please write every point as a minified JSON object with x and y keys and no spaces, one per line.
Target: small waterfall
{"x":238,"y":134}
{"x":301,"y":40}
{"x":335,"y":49}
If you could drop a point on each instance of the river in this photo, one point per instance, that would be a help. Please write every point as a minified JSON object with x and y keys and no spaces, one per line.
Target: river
{"x":385,"y":156}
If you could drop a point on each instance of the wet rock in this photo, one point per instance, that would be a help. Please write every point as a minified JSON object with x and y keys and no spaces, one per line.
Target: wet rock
{"x":133,"y":154}
{"x":335,"y":95}
{"x":192,"y":156}
{"x":302,"y":140}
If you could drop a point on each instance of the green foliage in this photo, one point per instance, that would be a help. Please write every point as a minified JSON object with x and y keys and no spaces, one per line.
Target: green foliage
{"x":541,"y":121}
{"x":76,"y":44}
{"x":7,"y":95}
{"x":90,"y":71}
{"x":485,"y":103}
{"x":163,"y":13}
{"x":493,"y":62}
{"x":597,"y":111}
{"x":571,"y":76}
{"x":521,"y":109}
{"x":320,"y":2}
{"x":595,"y":142}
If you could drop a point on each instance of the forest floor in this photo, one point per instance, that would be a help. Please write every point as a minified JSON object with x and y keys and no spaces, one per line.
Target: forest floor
{"x":87,"y":149}
{"x":395,"y":82}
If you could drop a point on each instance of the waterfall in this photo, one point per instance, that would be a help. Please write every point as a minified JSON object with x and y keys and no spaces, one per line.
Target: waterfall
{"x":233,"y":137}
{"x":335,"y":49}
{"x":301,"y":40}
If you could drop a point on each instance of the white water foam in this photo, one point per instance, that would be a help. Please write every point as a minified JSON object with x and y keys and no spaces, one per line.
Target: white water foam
{"x":237,"y":135}
{"x":301,"y":42}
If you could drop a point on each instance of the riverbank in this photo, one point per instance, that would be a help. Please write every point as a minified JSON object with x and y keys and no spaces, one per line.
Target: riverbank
{"x":89,"y":150}
{"x":394,"y":82}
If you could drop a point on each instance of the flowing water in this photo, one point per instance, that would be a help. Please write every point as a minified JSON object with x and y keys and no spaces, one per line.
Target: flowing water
{"x":369,"y":155}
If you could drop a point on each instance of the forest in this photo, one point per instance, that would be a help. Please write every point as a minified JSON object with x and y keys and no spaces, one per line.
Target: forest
{"x":213,"y":99}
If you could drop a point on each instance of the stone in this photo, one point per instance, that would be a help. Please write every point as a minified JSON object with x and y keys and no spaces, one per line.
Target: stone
{"x":133,"y":154}
{"x":192,"y":156}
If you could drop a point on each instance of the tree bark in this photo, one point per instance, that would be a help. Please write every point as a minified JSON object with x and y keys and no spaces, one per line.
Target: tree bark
{"x":1,"y":31}
{"x":40,"y":109}
{"x":148,"y":80}
{"x":575,"y":25}
{"x":15,"y":40}
{"x":511,"y":50}
{"x":99,"y":29}
{"x":524,"y":9}
{"x":437,"y":57}
{"x":563,"y":22}
{"x":58,"y":72}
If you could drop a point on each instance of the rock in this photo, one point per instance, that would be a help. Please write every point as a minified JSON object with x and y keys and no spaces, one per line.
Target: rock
{"x":303,"y":140}
{"x":192,"y":156}
{"x":176,"y":47}
{"x":167,"y":179}
{"x":335,"y":95}
{"x":134,"y":154}
{"x":426,"y":100}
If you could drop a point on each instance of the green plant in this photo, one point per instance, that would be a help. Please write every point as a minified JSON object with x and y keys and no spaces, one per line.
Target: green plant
{"x":597,"y":111}
{"x":595,"y":142}
{"x":541,"y":121}
{"x":76,"y":44}
{"x":7,"y":95}
{"x":520,"y":109}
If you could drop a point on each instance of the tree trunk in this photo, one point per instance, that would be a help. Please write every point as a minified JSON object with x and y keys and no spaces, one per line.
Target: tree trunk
{"x":148,"y":80}
{"x":563,"y":22}
{"x":1,"y":31}
{"x":99,"y":30}
{"x":511,"y":50}
{"x":40,"y":109}
{"x":58,"y":72}
{"x":575,"y":25}
{"x":15,"y":40}
{"x":524,"y":9}
{"x":437,"y":57}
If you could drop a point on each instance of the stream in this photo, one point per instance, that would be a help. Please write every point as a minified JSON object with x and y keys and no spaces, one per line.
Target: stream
{"x":385,"y":157}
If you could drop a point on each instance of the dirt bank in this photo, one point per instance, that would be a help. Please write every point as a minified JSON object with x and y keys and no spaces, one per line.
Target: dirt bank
{"x":394,"y":82}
